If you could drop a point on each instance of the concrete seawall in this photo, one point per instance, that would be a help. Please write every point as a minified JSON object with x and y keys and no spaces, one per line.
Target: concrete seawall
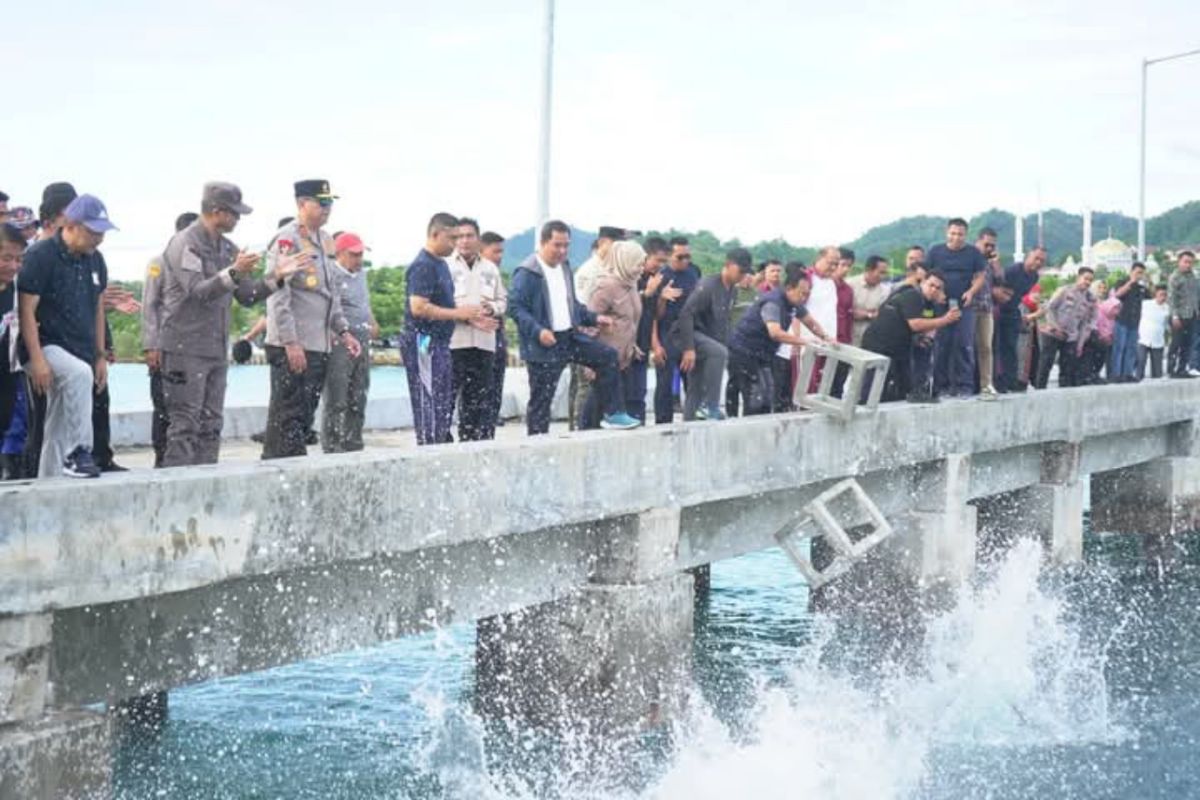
{"x":132,"y":428}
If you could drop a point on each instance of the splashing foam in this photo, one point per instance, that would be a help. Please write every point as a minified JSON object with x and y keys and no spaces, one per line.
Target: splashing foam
{"x":1003,"y":667}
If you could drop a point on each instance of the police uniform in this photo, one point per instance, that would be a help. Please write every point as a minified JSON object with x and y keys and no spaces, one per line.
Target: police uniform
{"x":198,"y":281}
{"x":151,"y":320}
{"x":307,"y":311}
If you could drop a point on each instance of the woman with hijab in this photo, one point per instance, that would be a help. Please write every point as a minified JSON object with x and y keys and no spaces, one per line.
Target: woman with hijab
{"x":616,"y":294}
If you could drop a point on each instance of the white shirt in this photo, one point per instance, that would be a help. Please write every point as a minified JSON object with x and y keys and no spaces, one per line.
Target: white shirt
{"x":556,"y":287}
{"x":1152,"y":330}
{"x":822,"y":303}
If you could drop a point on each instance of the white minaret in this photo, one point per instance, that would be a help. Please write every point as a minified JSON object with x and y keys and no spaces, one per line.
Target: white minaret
{"x":1019,"y":238}
{"x":1086,"y":252}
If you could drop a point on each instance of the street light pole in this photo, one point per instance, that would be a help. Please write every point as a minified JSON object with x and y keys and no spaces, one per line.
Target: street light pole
{"x":543,"y":196}
{"x":1146,"y":63}
{"x":1142,"y":173}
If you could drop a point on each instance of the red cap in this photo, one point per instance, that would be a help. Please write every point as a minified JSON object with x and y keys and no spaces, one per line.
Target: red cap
{"x":349,"y":241}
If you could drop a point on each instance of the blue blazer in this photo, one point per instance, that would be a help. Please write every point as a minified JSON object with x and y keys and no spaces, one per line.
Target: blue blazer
{"x":529,"y":306}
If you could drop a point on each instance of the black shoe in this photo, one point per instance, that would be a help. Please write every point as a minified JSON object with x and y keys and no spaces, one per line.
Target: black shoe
{"x":113,"y":466}
{"x":311,"y":438}
{"x":258,"y":437}
{"x":79,"y":464}
{"x":1181,"y":375}
{"x":921,"y":397}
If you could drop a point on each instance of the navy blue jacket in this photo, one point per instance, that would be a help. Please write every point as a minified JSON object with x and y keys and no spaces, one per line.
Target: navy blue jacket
{"x":529,"y":306}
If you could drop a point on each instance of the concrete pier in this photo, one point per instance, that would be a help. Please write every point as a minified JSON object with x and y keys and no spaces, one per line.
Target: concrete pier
{"x":573,"y":549}
{"x":615,"y":654}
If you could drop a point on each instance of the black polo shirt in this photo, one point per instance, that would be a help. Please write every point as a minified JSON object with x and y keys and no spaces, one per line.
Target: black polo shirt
{"x":68,"y":287}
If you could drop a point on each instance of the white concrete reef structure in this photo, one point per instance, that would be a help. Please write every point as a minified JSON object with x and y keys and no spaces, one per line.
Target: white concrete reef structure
{"x":569,"y":551}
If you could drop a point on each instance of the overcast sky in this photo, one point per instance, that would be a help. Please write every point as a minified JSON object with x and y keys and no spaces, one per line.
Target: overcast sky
{"x":807,"y":120}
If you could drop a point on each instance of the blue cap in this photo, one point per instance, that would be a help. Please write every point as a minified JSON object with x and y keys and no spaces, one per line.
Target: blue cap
{"x":88,"y":211}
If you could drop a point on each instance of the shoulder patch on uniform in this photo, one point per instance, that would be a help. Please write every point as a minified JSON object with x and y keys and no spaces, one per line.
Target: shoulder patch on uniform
{"x":154,"y":270}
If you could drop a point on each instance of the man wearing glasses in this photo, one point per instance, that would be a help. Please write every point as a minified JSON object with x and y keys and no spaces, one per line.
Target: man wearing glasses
{"x":200,"y":270}
{"x":302,"y":318}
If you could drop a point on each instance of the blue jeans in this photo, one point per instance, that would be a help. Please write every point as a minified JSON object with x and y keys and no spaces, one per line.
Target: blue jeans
{"x":1123,"y":361}
{"x":954,"y":357}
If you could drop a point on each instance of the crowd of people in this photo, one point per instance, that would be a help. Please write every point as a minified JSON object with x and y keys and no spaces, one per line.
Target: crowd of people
{"x":957,"y":324}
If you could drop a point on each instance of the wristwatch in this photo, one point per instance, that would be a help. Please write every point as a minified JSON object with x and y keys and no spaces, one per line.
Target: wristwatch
{"x":232,"y":274}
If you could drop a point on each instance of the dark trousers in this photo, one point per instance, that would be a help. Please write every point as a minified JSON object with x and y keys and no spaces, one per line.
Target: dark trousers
{"x":344,"y":402}
{"x":899,"y":381}
{"x":753,"y":383}
{"x":430,"y":372}
{"x":664,"y":397}
{"x":1152,"y":354}
{"x":294,"y":398}
{"x":921,"y":362}
{"x":783,"y":385}
{"x":159,"y":419}
{"x":1068,"y":363}
{"x":1004,"y":345}
{"x":633,"y":386}
{"x":101,"y":430}
{"x":733,"y":394}
{"x":954,"y":357}
{"x":499,"y":367}
{"x":474,"y":372}
{"x":592,"y":410}
{"x":36,"y":428}
{"x":572,"y":348}
{"x":1095,"y":357}
{"x":9,"y":381}
{"x":1180,"y":350}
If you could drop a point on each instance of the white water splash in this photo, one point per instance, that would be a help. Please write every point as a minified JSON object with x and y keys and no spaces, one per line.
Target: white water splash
{"x":1003,"y":667}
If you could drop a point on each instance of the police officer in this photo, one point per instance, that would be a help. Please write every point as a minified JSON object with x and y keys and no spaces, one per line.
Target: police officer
{"x":201,"y":270}
{"x":302,"y":318}
{"x":151,"y":349}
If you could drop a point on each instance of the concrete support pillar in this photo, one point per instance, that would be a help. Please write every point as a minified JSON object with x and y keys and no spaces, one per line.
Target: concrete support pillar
{"x":1055,"y":513}
{"x":58,"y":756}
{"x":1055,"y":505}
{"x":24,"y":666}
{"x":1160,"y":497}
{"x":940,"y":541}
{"x":43,"y":754}
{"x":614,"y":655}
{"x":1051,"y":509}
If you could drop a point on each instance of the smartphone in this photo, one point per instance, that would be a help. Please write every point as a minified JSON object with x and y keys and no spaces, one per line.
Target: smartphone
{"x":953,"y":304}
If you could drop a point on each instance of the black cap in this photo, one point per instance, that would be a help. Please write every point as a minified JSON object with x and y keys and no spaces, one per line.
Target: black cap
{"x":741,"y":256}
{"x":219,"y":194}
{"x":55,"y":199}
{"x":242,"y":351}
{"x":314,"y":187}
{"x":615,"y":233}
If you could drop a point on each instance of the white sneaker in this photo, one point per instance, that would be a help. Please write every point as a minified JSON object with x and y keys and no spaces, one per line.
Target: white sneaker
{"x":988,"y":393}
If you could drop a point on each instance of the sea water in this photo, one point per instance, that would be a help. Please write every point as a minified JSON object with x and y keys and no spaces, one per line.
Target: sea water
{"x":1035,"y":682}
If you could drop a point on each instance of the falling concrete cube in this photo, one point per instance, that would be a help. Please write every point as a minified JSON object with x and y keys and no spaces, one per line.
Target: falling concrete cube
{"x":824,"y":517}
{"x":863,"y":365}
